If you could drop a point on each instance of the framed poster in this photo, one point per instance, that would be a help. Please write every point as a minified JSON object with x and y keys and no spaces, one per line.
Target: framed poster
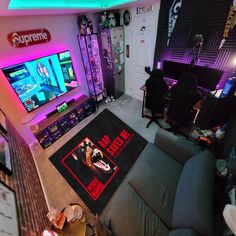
{"x":8,"y":212}
{"x":5,"y":158}
{"x":3,"y":124}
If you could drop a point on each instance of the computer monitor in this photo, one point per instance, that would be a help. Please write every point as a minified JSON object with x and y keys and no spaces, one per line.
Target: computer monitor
{"x":208,"y":78}
{"x":215,"y":111}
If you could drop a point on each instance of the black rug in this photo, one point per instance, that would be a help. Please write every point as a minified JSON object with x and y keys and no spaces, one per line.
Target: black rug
{"x":108,"y":142}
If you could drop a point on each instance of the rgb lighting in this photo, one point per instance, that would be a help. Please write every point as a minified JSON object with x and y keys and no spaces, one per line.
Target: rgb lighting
{"x":65,"y":4}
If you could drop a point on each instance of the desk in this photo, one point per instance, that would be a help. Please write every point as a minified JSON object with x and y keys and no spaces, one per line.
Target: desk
{"x":196,"y":106}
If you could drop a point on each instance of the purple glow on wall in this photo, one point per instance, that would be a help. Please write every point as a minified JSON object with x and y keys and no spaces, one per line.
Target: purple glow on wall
{"x":195,"y":18}
{"x":187,"y":59}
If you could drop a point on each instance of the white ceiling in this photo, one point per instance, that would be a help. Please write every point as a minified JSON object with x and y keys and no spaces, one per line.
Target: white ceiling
{"x":5,"y":12}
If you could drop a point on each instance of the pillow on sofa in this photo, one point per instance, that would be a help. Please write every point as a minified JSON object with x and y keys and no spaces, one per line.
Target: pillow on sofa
{"x":193,"y":206}
{"x":155,"y":178}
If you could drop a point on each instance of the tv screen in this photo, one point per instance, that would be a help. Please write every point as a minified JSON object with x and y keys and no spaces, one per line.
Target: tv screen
{"x":208,"y":78}
{"x":41,"y":80}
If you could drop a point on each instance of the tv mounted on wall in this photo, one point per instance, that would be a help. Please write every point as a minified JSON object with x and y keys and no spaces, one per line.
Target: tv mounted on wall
{"x":38,"y":81}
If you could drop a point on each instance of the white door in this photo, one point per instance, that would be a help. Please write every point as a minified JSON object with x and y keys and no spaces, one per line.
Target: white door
{"x":140,"y":35}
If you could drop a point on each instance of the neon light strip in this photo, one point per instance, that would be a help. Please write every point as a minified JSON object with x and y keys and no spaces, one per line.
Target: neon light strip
{"x":65,"y":4}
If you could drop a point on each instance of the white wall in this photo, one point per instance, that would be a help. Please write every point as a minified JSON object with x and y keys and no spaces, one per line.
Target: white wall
{"x":141,"y":54}
{"x":64,"y":31}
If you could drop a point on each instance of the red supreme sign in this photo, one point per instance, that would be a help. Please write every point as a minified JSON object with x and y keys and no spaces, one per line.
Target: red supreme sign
{"x":28,"y":37}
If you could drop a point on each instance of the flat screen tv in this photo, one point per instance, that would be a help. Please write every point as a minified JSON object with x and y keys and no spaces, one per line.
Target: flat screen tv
{"x":38,"y":81}
{"x":208,"y":78}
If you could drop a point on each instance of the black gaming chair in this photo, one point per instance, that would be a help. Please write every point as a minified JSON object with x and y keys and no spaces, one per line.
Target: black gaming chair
{"x":156,"y":90}
{"x":183,"y":96}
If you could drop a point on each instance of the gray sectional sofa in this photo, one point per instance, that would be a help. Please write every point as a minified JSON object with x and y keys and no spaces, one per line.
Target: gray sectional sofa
{"x":167,"y":192}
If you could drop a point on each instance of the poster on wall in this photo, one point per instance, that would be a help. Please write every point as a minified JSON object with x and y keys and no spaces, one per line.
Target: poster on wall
{"x":8,"y":212}
{"x":173,"y":15}
{"x":28,"y":37}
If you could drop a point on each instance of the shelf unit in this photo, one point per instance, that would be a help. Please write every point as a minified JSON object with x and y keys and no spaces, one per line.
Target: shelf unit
{"x":53,"y":127}
{"x":89,"y":48}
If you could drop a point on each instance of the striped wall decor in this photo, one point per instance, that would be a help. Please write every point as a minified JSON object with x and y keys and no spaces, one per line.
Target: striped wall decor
{"x":207,"y":17}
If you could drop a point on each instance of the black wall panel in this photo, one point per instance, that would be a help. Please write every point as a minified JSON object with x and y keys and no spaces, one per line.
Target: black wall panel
{"x":206,"y":17}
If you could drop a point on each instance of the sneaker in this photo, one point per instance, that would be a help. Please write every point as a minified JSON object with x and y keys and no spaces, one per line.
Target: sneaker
{"x":108,"y":100}
{"x":112,"y":99}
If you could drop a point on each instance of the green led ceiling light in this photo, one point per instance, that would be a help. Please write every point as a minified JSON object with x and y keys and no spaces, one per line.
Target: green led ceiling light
{"x":65,"y":4}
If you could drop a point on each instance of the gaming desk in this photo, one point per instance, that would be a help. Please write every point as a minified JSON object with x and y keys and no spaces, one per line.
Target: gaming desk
{"x":196,"y":107}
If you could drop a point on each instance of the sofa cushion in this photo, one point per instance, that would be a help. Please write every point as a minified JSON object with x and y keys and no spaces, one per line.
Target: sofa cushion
{"x":193,"y":206}
{"x":230,"y":136}
{"x":182,"y":232}
{"x":155,"y":179}
{"x":131,"y":216}
{"x":177,"y":147}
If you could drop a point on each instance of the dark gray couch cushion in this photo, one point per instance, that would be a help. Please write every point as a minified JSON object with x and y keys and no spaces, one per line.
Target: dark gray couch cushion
{"x":131,"y":216}
{"x":230,"y":136}
{"x":155,"y":178}
{"x":182,"y":232}
{"x":193,"y":207}
{"x":178,"y":148}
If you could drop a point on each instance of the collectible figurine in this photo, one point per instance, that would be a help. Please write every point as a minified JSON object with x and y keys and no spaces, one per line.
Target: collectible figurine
{"x":83,"y":25}
{"x":112,"y":20}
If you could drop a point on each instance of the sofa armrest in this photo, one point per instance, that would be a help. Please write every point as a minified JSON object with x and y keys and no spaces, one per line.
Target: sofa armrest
{"x":178,"y":148}
{"x":183,"y":232}
{"x":193,"y":204}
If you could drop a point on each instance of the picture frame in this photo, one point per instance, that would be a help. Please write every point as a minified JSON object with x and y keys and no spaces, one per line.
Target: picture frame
{"x":3,"y":124}
{"x":5,"y":158}
{"x":126,"y":17}
{"x":9,"y":224}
